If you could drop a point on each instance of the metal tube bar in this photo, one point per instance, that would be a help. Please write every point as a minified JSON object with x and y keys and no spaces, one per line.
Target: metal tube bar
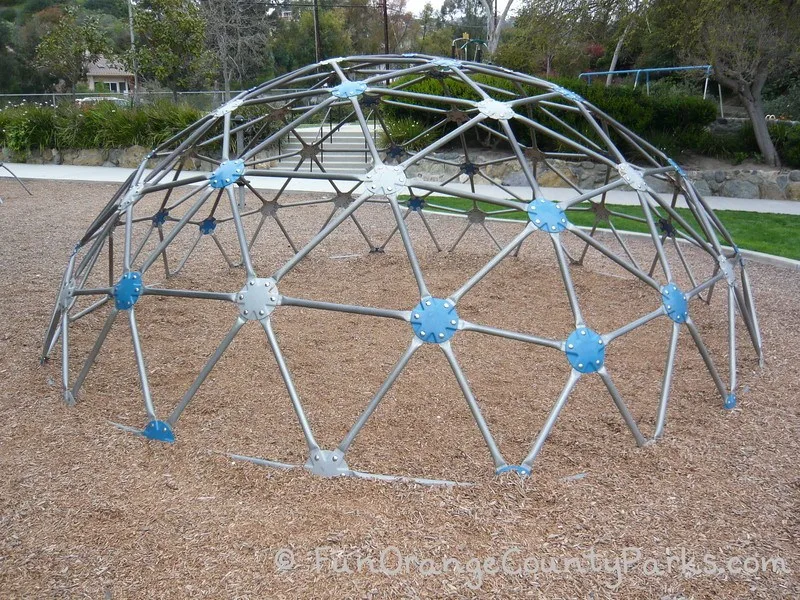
{"x":346,"y":308}
{"x":94,"y":352}
{"x":345,"y":444}
{"x":701,"y":347}
{"x":315,"y":241}
{"x":518,"y":239}
{"x":622,"y":407}
{"x":510,"y":335}
{"x":412,"y":256}
{"x":201,"y":377}
{"x":137,"y":350}
{"x":574,"y":376}
{"x":498,"y":459}
{"x":666,"y":383}
{"x":287,"y":379}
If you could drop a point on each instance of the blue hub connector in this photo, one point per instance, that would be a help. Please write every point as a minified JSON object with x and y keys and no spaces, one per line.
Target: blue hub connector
{"x":226,"y":174}
{"x":349,"y":89}
{"x":675,"y":303}
{"x":585,"y":350}
{"x":434,"y":320}
{"x":730,"y":402}
{"x":208,"y":225}
{"x":416,"y":203}
{"x":160,"y":218}
{"x":159,"y":431}
{"x":547,"y":216}
{"x":127,"y":290}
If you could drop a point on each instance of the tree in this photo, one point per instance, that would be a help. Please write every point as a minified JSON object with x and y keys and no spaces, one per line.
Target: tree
{"x":746,"y":42}
{"x":171,"y":43}
{"x":495,"y":23}
{"x":70,"y":47}
{"x":238,"y":37}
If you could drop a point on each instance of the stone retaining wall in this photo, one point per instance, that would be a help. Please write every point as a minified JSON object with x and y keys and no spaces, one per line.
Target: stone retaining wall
{"x":733,"y":183}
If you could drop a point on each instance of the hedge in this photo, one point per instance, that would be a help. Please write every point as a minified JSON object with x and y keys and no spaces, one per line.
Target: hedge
{"x":103,"y":125}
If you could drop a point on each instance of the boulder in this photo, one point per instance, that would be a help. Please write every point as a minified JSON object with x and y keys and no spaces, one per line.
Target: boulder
{"x":794,"y":175}
{"x":737,"y":188}
{"x":793,"y":190}
{"x":553,"y":179}
{"x":770,"y":190}
{"x":90,"y":157}
{"x":701,"y":185}
{"x":132,"y":157}
{"x":518,"y":178}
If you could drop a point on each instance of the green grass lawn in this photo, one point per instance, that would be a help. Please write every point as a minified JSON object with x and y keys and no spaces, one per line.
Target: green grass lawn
{"x":762,"y":232}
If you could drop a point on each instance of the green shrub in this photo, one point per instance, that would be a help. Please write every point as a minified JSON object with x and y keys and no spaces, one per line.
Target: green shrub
{"x":29,"y":127}
{"x":102,"y":125}
{"x":787,"y":142}
{"x":407,"y":132}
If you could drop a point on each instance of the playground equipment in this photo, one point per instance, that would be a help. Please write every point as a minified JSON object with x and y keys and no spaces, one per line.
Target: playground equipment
{"x":113,"y":267}
{"x":460,"y":48}
{"x":706,"y":69}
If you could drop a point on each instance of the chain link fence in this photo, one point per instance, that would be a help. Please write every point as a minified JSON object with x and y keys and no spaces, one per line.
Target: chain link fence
{"x":202,"y":100}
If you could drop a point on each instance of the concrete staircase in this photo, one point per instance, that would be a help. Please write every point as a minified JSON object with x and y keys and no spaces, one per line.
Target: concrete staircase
{"x":343,"y":152}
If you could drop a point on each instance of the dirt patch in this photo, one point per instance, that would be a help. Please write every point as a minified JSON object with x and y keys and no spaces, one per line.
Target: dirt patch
{"x":88,"y":510}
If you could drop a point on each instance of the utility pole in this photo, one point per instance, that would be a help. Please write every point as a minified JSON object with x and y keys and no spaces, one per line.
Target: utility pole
{"x":133,"y":53}
{"x":317,"y":44}
{"x":385,"y":27}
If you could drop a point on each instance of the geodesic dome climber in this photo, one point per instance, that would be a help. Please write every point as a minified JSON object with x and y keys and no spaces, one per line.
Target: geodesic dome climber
{"x":166,"y":212}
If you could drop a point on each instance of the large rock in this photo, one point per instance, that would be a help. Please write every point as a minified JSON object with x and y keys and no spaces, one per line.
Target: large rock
{"x":553,"y":179}
{"x":132,"y":157}
{"x":794,"y":175}
{"x":770,"y":190}
{"x":90,"y":157}
{"x":737,"y":188}
{"x":793,"y":190}
{"x":701,"y":185}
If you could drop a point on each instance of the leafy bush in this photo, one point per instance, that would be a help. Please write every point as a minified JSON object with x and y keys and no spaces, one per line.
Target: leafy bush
{"x":787,"y":105}
{"x":103,"y":125}
{"x":668,"y":118}
{"x":407,"y":132}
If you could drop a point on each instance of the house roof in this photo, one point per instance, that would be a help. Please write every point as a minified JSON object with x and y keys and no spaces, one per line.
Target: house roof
{"x":104,"y":66}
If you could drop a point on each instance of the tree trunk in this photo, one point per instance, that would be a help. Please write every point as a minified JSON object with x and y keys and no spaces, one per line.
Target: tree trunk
{"x":617,"y":51}
{"x":755,"y":110}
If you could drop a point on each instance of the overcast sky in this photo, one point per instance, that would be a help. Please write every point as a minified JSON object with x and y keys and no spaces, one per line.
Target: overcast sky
{"x":415,"y":6}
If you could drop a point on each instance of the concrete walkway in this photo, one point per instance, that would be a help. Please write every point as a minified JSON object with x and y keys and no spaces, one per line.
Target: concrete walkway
{"x":118,"y":175}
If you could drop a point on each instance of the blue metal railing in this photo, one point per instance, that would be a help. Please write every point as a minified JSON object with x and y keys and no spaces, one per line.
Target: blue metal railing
{"x":705,"y":68}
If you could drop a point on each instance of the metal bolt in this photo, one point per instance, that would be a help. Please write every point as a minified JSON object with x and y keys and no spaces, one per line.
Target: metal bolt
{"x":597,"y":362}
{"x":422,"y":333}
{"x":316,"y":457}
{"x":583,"y":332}
{"x":580,"y":365}
{"x":570,"y":346}
{"x":241,"y":296}
{"x":600,"y":342}
{"x":272,"y":298}
{"x":563,"y":220}
{"x":441,"y":335}
{"x":453,"y":322}
{"x":446,"y":305}
{"x":261,"y":312}
{"x":246,"y":312}
{"x":553,"y":227}
{"x":252,"y":282}
{"x":335,"y":458}
{"x":416,"y":315}
{"x":427,"y":303}
{"x":538,"y":221}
